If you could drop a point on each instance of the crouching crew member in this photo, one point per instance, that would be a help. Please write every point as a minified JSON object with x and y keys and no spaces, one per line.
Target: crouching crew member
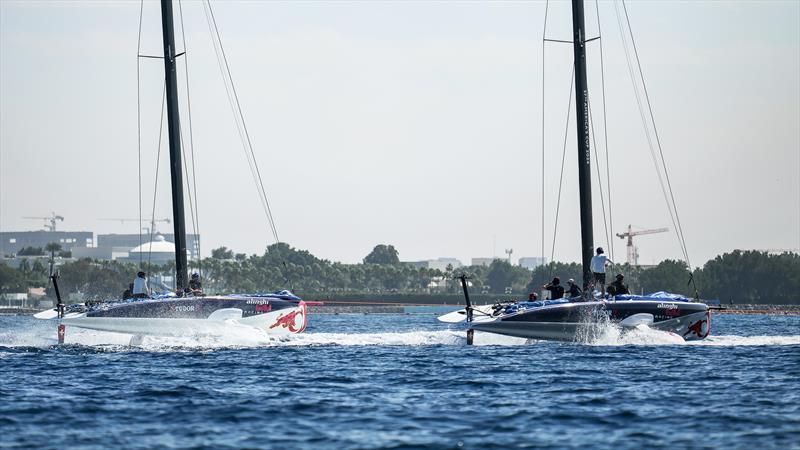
{"x":573,"y":290}
{"x":618,"y":287}
{"x":195,"y":286}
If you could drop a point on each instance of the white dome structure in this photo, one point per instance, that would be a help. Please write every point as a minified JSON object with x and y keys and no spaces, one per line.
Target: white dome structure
{"x":159,"y":250}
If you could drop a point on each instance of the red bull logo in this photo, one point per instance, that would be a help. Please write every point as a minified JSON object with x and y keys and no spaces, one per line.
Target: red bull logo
{"x":289,"y":320}
{"x":697,"y":328}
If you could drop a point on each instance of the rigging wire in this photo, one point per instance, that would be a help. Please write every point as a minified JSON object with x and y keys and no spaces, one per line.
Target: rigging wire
{"x":544,"y":41}
{"x":139,"y":123}
{"x":681,"y":236}
{"x":188,"y":188}
{"x":231,"y":103}
{"x":259,"y":180}
{"x":605,"y":132}
{"x":646,"y":127}
{"x":194,"y":208}
{"x":599,"y":177}
{"x":637,"y":94}
{"x":155,"y":188}
{"x":563,"y":158}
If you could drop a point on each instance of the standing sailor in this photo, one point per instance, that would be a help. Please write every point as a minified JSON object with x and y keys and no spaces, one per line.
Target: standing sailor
{"x":140,"y":289}
{"x":598,"y":265}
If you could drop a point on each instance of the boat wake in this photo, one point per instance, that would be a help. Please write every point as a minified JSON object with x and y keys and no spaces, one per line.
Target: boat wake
{"x":744,"y":341}
{"x":612,"y":335}
{"x":409,"y":338}
{"x":249,"y":337}
{"x":239,"y":337}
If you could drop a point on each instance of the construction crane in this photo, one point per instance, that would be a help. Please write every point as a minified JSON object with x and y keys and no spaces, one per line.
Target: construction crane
{"x":151,"y":221}
{"x":49,"y":222}
{"x":633,"y":251}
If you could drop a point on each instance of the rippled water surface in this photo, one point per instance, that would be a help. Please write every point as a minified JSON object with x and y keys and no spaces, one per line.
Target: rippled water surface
{"x":401,"y":381}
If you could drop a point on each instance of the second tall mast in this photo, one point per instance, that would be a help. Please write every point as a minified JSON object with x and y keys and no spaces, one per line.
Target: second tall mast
{"x":174,"y":127}
{"x":584,"y":151}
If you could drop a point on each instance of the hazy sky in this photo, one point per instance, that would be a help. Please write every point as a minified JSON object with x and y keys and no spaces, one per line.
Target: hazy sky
{"x":416,"y":124}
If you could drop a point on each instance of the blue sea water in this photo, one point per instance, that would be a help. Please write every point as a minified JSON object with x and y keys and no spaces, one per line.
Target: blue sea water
{"x":401,"y":381}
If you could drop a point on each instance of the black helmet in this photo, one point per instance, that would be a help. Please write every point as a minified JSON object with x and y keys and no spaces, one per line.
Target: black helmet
{"x":195,"y":275}
{"x":620,"y":276}
{"x":556,"y":280}
{"x":599,"y":250}
{"x":141,"y":274}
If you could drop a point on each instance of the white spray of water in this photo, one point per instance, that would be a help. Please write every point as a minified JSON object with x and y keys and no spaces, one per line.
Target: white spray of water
{"x":248,"y":337}
{"x":742,"y":341}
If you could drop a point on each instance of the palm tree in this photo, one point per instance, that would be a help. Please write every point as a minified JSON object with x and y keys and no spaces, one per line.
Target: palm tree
{"x":53,"y":247}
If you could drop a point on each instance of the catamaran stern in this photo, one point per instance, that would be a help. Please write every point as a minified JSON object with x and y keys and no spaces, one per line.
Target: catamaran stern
{"x":281,"y":323}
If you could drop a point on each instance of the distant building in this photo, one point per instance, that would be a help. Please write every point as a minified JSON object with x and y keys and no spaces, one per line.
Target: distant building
{"x":532,"y":262}
{"x":437,"y":284}
{"x":159,"y":251}
{"x":14,"y":300}
{"x":438,"y":264}
{"x":13,"y":241}
{"x":106,"y":253}
{"x":106,"y":247}
{"x":130,"y":241}
{"x":483,"y":261}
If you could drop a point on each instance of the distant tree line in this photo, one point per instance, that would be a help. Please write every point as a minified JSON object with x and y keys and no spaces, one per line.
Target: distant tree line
{"x":39,"y":251}
{"x":741,"y":277}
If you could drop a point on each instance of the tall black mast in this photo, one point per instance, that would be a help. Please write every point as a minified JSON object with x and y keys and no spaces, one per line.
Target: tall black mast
{"x":584,"y":153}
{"x":174,"y":126}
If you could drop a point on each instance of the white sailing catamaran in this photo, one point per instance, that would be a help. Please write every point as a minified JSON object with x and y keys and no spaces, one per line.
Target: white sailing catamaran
{"x":565,"y":320}
{"x":279,"y":313}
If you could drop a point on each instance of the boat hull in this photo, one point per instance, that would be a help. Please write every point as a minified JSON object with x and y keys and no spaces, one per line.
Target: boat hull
{"x":194,"y":316}
{"x":582,"y":321}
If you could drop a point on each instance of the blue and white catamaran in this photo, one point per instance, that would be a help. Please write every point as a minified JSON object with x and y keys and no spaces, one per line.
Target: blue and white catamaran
{"x":565,"y":320}
{"x":277,"y":313}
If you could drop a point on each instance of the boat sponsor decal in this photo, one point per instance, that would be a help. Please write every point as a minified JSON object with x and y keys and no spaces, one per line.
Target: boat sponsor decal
{"x":184,"y":308}
{"x":290,"y":320}
{"x":670,"y":310}
{"x":587,"y":154}
{"x":697,"y":328}
{"x":258,"y":301}
{"x":263,"y":308}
